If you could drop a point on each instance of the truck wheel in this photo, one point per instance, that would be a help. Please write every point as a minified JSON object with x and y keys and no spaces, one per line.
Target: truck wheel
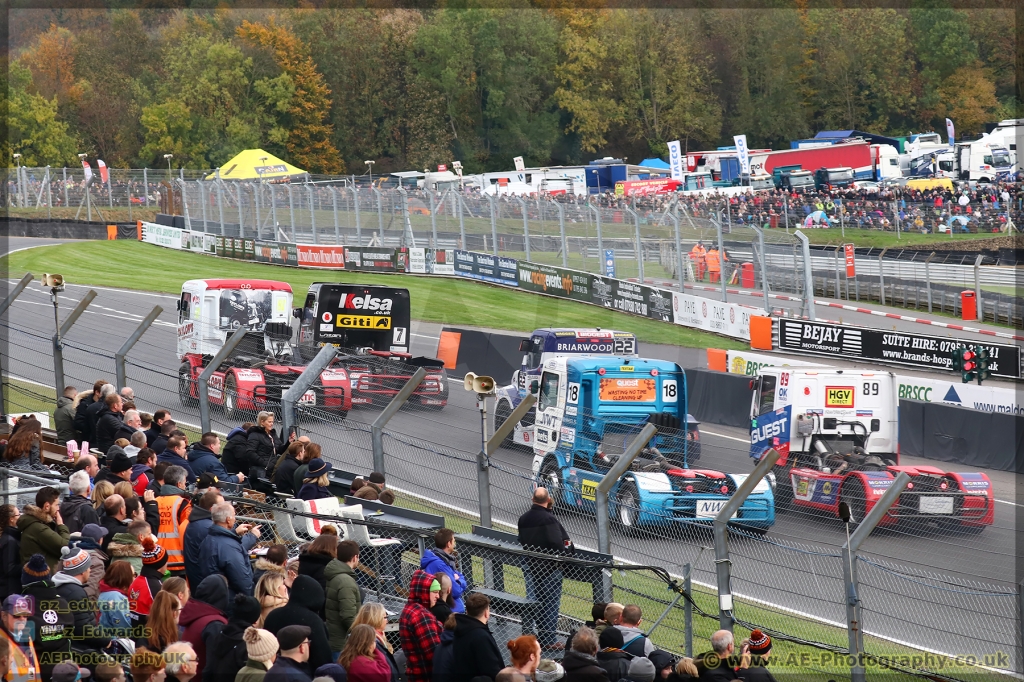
{"x":185,"y":385}
{"x":501,"y":414}
{"x":783,"y":488}
{"x":852,"y":494}
{"x":627,"y":507}
{"x":230,"y":398}
{"x":551,"y":478}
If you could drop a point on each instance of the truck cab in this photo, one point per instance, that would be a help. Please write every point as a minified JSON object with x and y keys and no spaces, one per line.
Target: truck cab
{"x":210,"y":310}
{"x":588,"y":411}
{"x":547,"y":344}
{"x":371,"y":324}
{"x":796,"y":180}
{"x":984,"y":160}
{"x":836,"y":433}
{"x":827,"y":178}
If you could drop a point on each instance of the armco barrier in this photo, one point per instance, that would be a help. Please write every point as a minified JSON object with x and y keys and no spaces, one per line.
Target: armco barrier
{"x":727,"y":319}
{"x":43,"y":228}
{"x":947,"y":433}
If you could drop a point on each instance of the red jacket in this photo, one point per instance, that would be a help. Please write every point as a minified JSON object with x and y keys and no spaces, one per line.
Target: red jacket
{"x":418,"y":629}
{"x":363,"y":669}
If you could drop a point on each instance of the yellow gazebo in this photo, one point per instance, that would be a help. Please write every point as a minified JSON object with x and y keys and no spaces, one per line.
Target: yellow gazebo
{"x":256,"y":164}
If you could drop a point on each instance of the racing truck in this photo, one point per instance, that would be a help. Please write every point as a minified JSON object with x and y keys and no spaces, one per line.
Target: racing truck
{"x":371,"y":325}
{"x":588,"y":410}
{"x":263,"y":365}
{"x":546,"y":344}
{"x":836,"y":432}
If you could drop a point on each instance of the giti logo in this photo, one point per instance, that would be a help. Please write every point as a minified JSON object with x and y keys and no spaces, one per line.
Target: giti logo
{"x":364,"y":322}
{"x":368,"y":303}
{"x":839,"y":396}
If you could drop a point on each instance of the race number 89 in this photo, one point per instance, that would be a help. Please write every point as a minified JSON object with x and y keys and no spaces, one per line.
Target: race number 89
{"x":669,"y":392}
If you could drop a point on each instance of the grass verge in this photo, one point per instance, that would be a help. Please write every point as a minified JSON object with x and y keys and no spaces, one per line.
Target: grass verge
{"x":133,"y":265}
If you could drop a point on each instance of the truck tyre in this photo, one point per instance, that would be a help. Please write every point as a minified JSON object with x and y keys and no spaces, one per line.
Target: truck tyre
{"x":852,"y":493}
{"x":783,"y":488}
{"x":551,"y":478}
{"x":502,"y":412}
{"x":627,"y":507}
{"x":185,"y":385}
{"x":231,"y":398}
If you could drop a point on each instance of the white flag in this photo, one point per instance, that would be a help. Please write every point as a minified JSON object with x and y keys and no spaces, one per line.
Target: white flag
{"x":950,"y":131}
{"x":88,"y":170}
{"x":675,"y":159}
{"x":742,"y":152}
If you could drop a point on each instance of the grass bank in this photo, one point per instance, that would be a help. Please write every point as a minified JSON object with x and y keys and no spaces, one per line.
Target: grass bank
{"x":133,"y":265}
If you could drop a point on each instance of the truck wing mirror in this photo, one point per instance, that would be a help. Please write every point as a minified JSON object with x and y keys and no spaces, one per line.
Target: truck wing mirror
{"x":297,"y":312}
{"x":524,"y":345}
{"x":177,"y":305}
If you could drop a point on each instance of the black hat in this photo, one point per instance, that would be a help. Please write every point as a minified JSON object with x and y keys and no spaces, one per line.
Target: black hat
{"x":377,"y":477}
{"x":247,"y":609}
{"x":611,"y":638}
{"x":291,"y":636}
{"x":207,"y":480}
{"x":120,"y":463}
{"x":317,"y":468}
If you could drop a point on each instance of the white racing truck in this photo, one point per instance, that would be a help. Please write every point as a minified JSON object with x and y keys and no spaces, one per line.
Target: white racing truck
{"x":837,"y":435}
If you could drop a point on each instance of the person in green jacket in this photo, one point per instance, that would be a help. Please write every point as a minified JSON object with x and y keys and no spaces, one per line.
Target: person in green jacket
{"x":42,"y":529}
{"x":343,"y":595}
{"x":261,"y":648}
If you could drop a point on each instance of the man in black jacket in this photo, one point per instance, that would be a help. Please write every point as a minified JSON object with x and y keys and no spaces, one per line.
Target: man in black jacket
{"x":475,"y":651}
{"x":540,"y":530}
{"x":108,"y":422}
{"x":77,"y":509}
{"x":717,"y":665}
{"x":81,"y":423}
{"x":70,"y":582}
{"x":92,"y":413}
{"x":153,"y":432}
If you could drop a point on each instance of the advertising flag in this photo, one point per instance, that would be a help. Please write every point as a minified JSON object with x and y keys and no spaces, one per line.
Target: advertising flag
{"x":950,"y":131}
{"x":743,"y":153}
{"x":675,"y":159}
{"x":88,"y":170}
{"x":104,"y":173}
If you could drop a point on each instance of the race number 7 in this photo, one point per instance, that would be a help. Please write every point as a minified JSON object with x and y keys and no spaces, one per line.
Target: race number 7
{"x":669,"y":392}
{"x":400,"y":335}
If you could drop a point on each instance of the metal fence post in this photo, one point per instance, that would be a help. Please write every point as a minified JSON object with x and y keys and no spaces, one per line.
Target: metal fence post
{"x":238,"y":206}
{"x":785,"y":209}
{"x":881,"y":279}
{"x":928,"y":287}
{"x":256,"y":207}
{"x":273,"y":212}
{"x":639,"y":245}
{"x":355,"y":207}
{"x":721,"y":259}
{"x":110,"y":187}
{"x":312,"y":214}
{"x":462,"y":226}
{"x":854,"y":617}
{"x":290,"y":398}
{"x":688,"y":610}
{"x":408,"y":238}
{"x":64,"y":174}
{"x":220,"y":201}
{"x":291,"y":211}
{"x":600,"y":240}
{"x":526,"y":226}
{"x":119,"y":356}
{"x":377,"y":428}
{"x":977,"y":286}
{"x":763,"y":258}
{"x":808,"y":304}
{"x":184,"y":206}
{"x":334,"y":208}
{"x":723,"y":565}
{"x":145,"y":184}
{"x":838,"y":294}
{"x":433,"y":220}
{"x":203,"y":201}
{"x":203,"y":387}
{"x":621,"y":466}
{"x":380,"y":214}
{"x":58,"y":338}
{"x":494,"y":224}
{"x":679,"y":253}
{"x":15,"y":292}
{"x":561,"y":230}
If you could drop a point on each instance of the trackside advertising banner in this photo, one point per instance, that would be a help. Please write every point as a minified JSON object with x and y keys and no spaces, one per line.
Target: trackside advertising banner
{"x":898,"y":348}
{"x":546,"y":279}
{"x":984,"y":398}
{"x":730,"y":319}
{"x":487,"y":268}
{"x":176,"y":238}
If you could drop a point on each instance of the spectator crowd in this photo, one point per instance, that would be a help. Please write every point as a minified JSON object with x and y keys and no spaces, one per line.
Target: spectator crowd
{"x":142,"y":571}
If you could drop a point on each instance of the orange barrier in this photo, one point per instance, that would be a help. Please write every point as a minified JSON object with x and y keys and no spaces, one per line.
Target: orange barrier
{"x":448,"y":348}
{"x":111,"y":231}
{"x":760,"y":332}
{"x":138,"y":226}
{"x":717,"y":360}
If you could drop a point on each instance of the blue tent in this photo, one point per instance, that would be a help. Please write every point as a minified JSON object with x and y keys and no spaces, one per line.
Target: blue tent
{"x":654,"y":163}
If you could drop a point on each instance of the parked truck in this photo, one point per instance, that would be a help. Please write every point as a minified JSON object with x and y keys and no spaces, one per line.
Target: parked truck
{"x":868,"y":161}
{"x":588,"y":411}
{"x":982,"y":160}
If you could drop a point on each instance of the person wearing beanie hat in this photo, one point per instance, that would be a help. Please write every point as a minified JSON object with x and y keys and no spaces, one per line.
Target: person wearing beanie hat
{"x":315,"y":483}
{"x":610,"y":655}
{"x":261,"y":650}
{"x":226,"y":651}
{"x":90,"y":539}
{"x":548,"y":671}
{"x":760,"y":648}
{"x":641,"y":670}
{"x":34,"y":570}
{"x":663,"y":663}
{"x":119,"y":467}
{"x":69,"y":583}
{"x":51,"y":615}
{"x":146,"y":585}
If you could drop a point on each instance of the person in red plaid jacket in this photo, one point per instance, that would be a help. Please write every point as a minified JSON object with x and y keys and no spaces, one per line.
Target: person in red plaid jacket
{"x":418,"y":628}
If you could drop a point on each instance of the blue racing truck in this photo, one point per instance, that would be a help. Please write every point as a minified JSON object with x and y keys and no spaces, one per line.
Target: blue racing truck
{"x":587,"y":412}
{"x":543,"y":345}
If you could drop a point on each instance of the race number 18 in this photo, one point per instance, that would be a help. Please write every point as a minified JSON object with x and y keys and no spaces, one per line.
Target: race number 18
{"x":669,"y":392}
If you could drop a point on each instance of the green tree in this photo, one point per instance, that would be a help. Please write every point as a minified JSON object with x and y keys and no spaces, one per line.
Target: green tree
{"x":33,"y":129}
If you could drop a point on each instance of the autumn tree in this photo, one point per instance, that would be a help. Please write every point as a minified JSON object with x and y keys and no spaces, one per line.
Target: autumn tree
{"x":33,"y":128}
{"x":310,"y":134}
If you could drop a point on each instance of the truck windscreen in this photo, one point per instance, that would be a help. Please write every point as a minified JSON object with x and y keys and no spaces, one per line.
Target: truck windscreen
{"x":840,"y":176}
{"x":800,"y":180}
{"x":249,"y":308}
